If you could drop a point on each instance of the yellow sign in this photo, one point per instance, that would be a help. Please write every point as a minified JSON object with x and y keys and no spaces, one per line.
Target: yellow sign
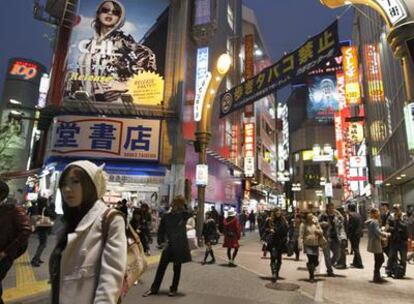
{"x":146,"y":88}
{"x":307,"y":155}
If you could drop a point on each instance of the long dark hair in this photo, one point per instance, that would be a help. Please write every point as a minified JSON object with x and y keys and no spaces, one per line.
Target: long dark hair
{"x":96,"y":23}
{"x":73,"y":215}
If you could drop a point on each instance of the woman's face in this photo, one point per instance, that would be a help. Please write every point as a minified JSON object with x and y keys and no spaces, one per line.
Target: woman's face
{"x":109,"y":14}
{"x":72,"y":191}
{"x":278,"y":213}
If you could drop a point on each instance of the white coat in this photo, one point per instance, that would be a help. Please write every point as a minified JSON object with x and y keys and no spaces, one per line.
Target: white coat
{"x":90,"y":274}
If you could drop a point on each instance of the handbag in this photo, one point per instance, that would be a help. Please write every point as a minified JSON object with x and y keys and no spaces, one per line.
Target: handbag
{"x":43,"y":221}
{"x":136,"y":262}
{"x":192,"y":240}
{"x":322,"y":242}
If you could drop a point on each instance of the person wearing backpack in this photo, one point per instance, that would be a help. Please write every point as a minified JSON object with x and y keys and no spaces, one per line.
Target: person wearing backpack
{"x":14,"y":233}
{"x":88,"y":264}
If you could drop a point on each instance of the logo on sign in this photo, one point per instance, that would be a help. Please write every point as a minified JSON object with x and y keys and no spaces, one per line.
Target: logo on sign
{"x":24,"y":69}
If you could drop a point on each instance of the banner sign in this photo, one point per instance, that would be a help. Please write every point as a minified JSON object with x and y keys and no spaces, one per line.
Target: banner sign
{"x":115,"y":49}
{"x":95,"y":137}
{"x":314,"y":52}
{"x":409,"y":125}
{"x":203,"y":78}
{"x":351,"y":71}
{"x":394,"y":10}
{"x":249,"y":148}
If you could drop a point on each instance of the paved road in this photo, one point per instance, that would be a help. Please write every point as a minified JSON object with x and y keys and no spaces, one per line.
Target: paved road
{"x":246,"y":283}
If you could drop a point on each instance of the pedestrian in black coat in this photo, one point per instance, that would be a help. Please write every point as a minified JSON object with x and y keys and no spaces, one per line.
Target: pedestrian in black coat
{"x":355,"y":234}
{"x":209,"y":235}
{"x":172,"y":230}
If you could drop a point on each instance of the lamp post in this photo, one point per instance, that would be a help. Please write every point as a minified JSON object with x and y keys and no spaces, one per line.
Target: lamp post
{"x":203,"y":134}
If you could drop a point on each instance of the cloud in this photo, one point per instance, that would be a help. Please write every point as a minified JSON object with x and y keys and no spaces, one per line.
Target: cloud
{"x":130,"y":28}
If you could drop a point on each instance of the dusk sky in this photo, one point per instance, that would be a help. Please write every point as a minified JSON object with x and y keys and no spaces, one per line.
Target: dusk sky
{"x":285,"y":24}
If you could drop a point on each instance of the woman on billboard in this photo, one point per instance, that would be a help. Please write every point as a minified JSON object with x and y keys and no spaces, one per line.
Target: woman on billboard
{"x":111,"y":57}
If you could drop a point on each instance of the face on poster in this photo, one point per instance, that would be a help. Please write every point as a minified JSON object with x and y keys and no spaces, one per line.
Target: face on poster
{"x":108,"y":55}
{"x":323,"y":97}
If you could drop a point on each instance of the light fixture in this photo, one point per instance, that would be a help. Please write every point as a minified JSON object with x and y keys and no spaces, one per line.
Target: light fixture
{"x":387,"y":184}
{"x":15,"y":101}
{"x":223,"y":63}
{"x":403,"y":175}
{"x":398,"y":178}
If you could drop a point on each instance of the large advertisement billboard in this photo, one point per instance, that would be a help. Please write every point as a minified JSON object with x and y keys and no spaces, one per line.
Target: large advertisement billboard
{"x":323,"y":97}
{"x":108,"y":55}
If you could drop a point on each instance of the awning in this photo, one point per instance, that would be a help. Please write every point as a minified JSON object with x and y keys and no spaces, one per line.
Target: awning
{"x":115,"y":166}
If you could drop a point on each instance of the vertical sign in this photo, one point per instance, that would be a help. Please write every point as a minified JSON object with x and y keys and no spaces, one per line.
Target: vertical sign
{"x":249,"y":148}
{"x":248,"y":68}
{"x":394,"y":9}
{"x":373,"y":73}
{"x":234,"y":152}
{"x":350,"y":67}
{"x":409,"y":124}
{"x":203,"y":78}
{"x":202,"y":12}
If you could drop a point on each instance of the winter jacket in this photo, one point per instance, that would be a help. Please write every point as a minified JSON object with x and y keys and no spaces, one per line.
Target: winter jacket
{"x":309,"y":234}
{"x":92,"y":271}
{"x":276,"y":231}
{"x":15,"y":230}
{"x":398,"y":229}
{"x":209,"y":230}
{"x":173,"y":231}
{"x":374,"y":236}
{"x":354,"y":225}
{"x":338,"y":222}
{"x":232,"y":232}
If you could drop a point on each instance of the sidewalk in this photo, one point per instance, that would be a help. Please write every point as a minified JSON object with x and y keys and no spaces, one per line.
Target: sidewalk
{"x":350,"y":286}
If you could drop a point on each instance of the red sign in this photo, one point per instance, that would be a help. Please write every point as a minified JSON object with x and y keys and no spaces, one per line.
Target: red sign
{"x":373,"y":73}
{"x":357,"y":178}
{"x":24,"y":69}
{"x":249,"y":67}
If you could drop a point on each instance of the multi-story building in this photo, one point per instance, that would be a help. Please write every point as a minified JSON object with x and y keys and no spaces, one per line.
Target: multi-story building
{"x":391,"y":164}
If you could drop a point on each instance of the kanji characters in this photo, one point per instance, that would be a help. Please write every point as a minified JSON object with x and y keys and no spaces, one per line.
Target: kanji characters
{"x":138,"y":138}
{"x":66,"y":132}
{"x":306,"y":53}
{"x":288,"y":63}
{"x":102,"y":136}
{"x":326,"y":41}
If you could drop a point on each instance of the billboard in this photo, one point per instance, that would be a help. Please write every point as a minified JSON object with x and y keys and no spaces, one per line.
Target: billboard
{"x":351,"y":71}
{"x":93,"y":137}
{"x":108,"y":55}
{"x":322,"y":98}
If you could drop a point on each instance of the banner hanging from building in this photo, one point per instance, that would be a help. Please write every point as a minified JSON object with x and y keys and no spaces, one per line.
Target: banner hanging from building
{"x":93,"y":137}
{"x":118,"y":47}
{"x":309,"y":56}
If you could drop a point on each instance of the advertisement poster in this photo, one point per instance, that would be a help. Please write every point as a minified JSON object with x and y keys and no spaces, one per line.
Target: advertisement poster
{"x":108,"y":55}
{"x":323,"y":97}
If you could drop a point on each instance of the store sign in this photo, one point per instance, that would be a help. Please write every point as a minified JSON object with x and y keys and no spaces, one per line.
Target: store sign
{"x":202,"y":12}
{"x":340,"y":88}
{"x":234,"y":151}
{"x":351,"y":71}
{"x":373,"y":73}
{"x":323,"y":158}
{"x":356,"y":132}
{"x":328,"y":190}
{"x":93,"y":137}
{"x":409,"y":124}
{"x":248,"y":67}
{"x":125,"y":59}
{"x":316,"y":51}
{"x":249,"y":149}
{"x":358,"y":161}
{"x":203,"y":78}
{"x":24,"y":69}
{"x":393,"y":9}
{"x":201,"y":175}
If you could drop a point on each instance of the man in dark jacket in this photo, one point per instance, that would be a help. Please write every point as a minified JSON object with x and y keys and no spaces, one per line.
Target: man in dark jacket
{"x":397,"y":226}
{"x":14,"y":234}
{"x":173,"y":230}
{"x":355,"y":234}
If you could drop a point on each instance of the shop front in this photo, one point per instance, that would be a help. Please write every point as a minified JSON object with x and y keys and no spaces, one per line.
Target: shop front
{"x":224,"y":190}
{"x":129,"y":149}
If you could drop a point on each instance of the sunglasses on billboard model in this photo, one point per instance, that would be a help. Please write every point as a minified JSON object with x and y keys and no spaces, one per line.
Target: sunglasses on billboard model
{"x":114,"y":12}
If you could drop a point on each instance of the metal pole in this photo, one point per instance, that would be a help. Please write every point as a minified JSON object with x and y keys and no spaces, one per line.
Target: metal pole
{"x":328,"y":180}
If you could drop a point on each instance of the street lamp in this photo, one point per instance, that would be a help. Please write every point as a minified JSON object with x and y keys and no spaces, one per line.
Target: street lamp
{"x":203,"y":132}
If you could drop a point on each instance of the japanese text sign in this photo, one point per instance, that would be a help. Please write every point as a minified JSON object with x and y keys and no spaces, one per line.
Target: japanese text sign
{"x":351,"y":71}
{"x":249,"y":148}
{"x":106,"y":138}
{"x":394,"y":10}
{"x":297,"y":64}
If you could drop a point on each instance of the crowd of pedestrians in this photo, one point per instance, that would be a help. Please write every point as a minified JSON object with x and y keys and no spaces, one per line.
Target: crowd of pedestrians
{"x":89,"y":262}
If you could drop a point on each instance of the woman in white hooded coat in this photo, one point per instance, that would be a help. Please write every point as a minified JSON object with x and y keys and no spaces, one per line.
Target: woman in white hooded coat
{"x":84,"y":268}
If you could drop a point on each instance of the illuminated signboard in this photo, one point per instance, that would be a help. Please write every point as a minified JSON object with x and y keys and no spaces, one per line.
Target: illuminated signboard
{"x":201,"y":175}
{"x":409,"y":124}
{"x":373,"y":73}
{"x":93,"y":137}
{"x":394,"y":10}
{"x":249,"y":149}
{"x":24,"y":69}
{"x":248,"y":67}
{"x":117,"y":48}
{"x":351,"y":71}
{"x":203,"y":78}
{"x":323,"y":97}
